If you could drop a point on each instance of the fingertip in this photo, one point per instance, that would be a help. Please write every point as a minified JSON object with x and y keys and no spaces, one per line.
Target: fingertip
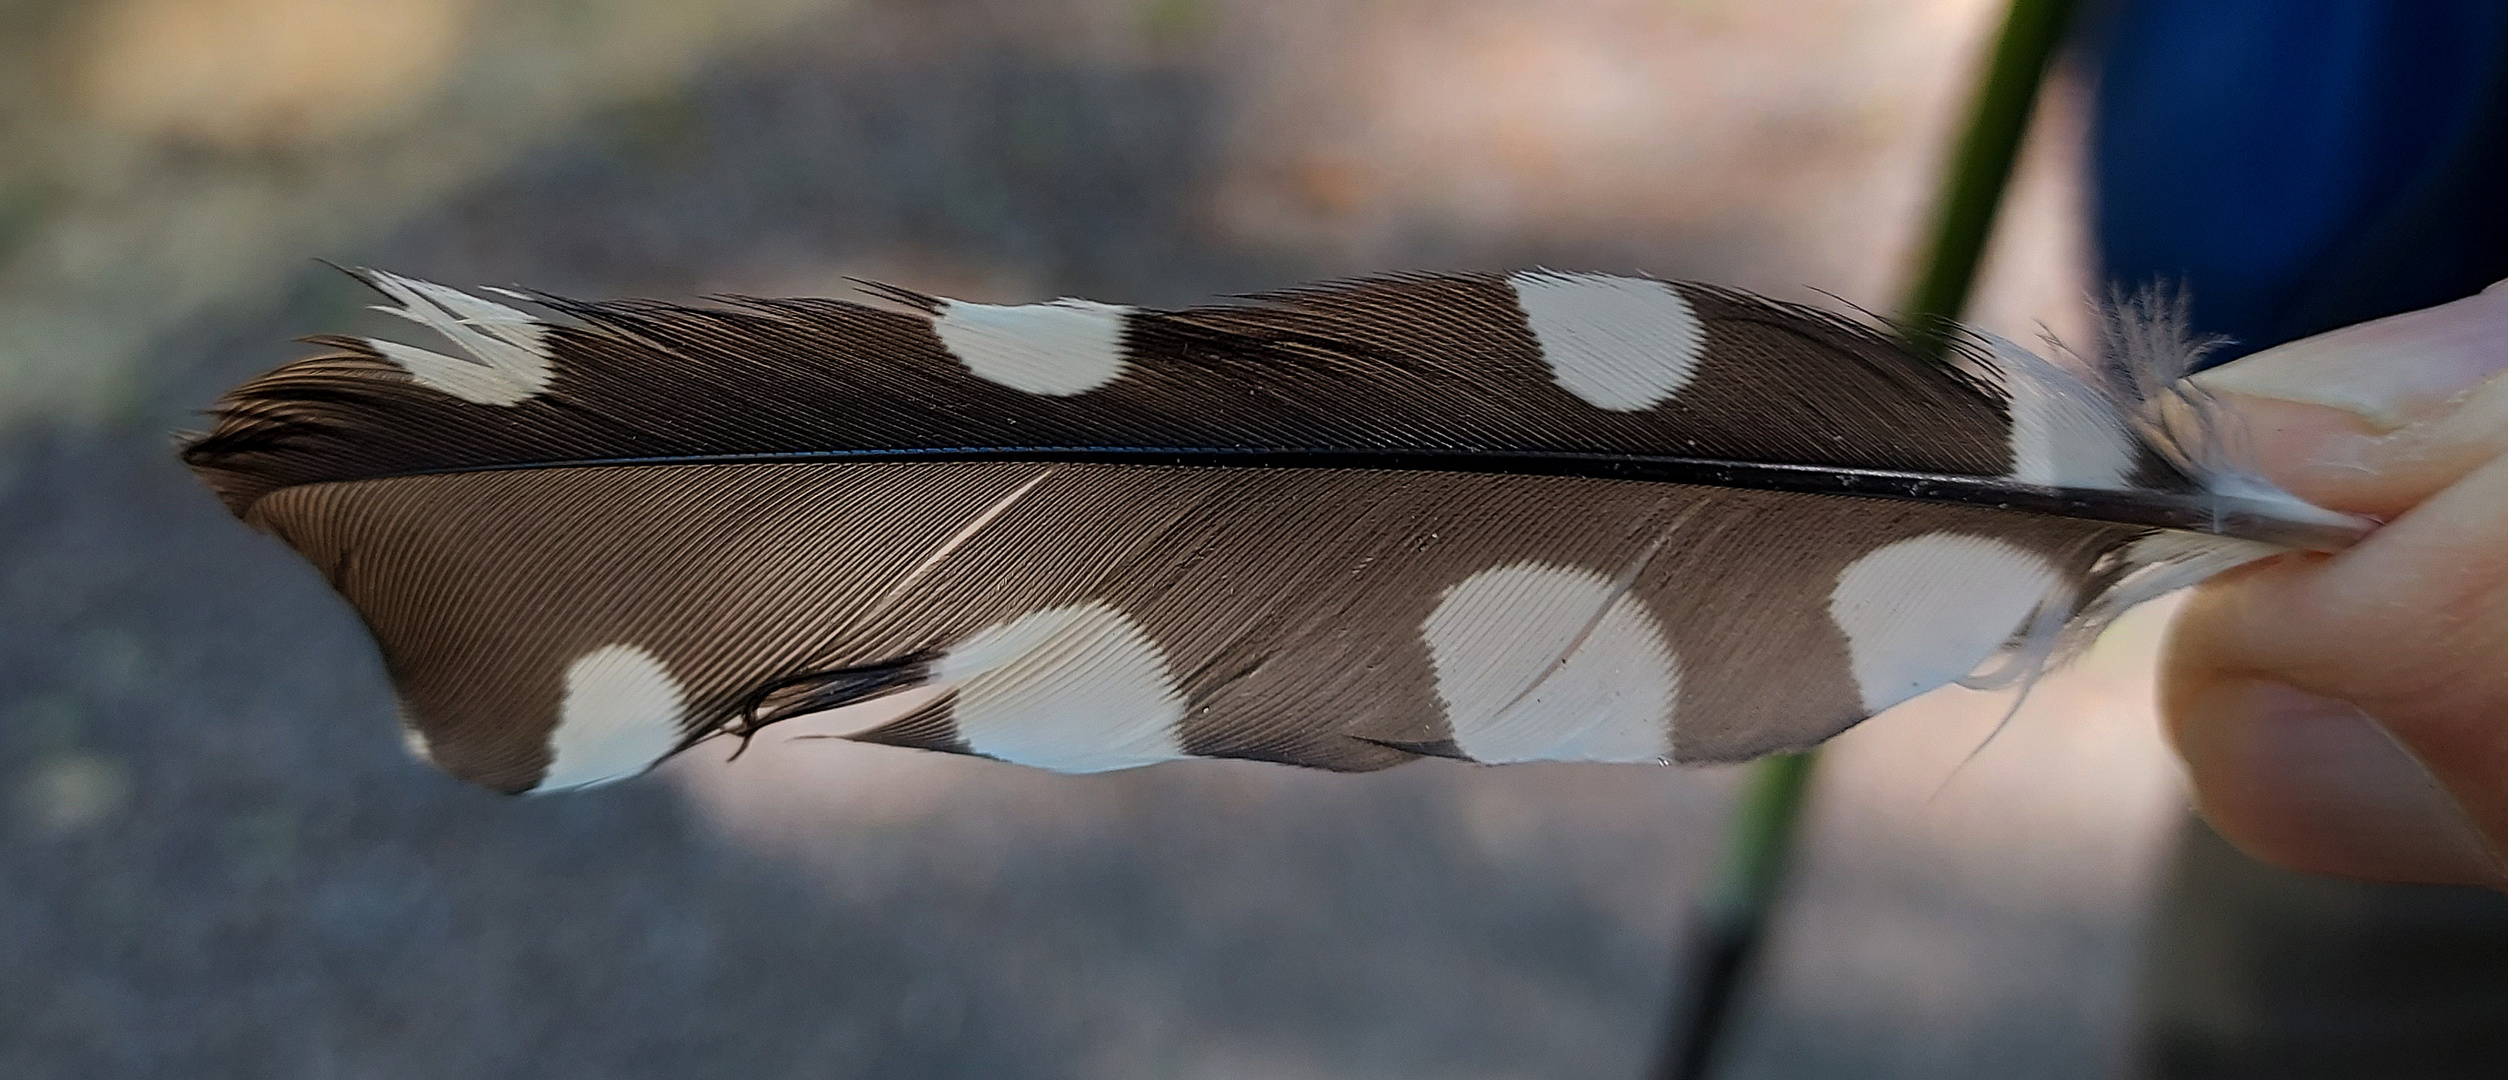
{"x":2317,"y":785}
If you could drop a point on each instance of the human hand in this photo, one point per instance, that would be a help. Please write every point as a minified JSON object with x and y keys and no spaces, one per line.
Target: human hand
{"x":2349,"y":714}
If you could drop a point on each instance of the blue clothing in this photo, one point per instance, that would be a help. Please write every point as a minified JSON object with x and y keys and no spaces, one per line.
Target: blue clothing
{"x":2303,"y":164}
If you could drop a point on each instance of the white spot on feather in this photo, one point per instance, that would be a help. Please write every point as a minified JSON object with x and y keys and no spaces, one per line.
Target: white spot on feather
{"x":1926,"y":611}
{"x":1623,"y":344}
{"x":2064,"y":432}
{"x":1075,"y":689}
{"x":1062,"y":348}
{"x":415,"y":742}
{"x":620,"y":717}
{"x":1544,"y":663}
{"x":507,"y":359}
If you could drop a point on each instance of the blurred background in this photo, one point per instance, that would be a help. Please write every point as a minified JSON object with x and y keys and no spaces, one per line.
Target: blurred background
{"x":216,"y":861}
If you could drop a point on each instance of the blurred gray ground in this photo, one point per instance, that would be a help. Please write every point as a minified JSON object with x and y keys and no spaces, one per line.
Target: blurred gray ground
{"x":216,"y":861}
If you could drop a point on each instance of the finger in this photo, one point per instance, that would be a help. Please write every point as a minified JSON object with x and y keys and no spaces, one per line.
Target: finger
{"x":2273,"y":675}
{"x":2338,"y":461}
{"x":2377,"y":417}
{"x":2313,"y":784}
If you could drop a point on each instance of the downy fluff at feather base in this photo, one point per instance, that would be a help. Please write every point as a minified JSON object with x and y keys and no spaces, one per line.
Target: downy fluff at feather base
{"x":1540,"y":516}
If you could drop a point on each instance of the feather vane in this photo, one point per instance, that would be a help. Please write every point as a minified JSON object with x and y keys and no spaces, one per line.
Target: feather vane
{"x":1539,"y":516}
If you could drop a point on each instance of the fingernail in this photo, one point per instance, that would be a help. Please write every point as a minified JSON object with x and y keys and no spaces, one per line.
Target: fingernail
{"x":2317,"y":785}
{"x":2391,"y":372}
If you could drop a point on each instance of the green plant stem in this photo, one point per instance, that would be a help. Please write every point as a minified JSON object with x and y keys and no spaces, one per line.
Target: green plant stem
{"x":1760,"y":849}
{"x":1981,"y":166}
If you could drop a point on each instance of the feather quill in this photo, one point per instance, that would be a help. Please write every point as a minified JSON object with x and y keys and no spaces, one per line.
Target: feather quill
{"x":1527,"y":517}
